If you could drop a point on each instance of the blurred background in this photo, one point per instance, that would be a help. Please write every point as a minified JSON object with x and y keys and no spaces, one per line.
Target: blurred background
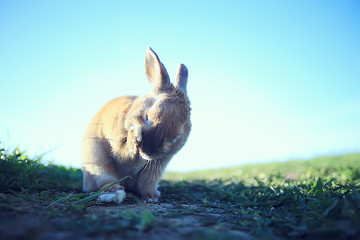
{"x":268,"y":80}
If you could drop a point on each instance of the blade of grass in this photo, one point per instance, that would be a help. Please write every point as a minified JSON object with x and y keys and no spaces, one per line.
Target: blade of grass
{"x":329,"y":209}
{"x":61,"y":199}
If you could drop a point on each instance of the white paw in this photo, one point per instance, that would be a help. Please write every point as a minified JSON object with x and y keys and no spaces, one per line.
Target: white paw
{"x":115,"y":197}
{"x":137,"y":133}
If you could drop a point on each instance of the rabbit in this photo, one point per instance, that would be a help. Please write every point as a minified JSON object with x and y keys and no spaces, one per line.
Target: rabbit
{"x":137,"y":136}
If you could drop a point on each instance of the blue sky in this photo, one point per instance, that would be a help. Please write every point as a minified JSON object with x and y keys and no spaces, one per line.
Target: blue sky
{"x":268,"y":80}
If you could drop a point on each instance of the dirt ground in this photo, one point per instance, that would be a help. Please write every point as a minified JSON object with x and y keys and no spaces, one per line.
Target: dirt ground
{"x":29,"y":219}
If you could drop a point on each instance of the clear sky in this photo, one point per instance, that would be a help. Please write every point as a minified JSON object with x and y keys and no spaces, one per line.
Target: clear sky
{"x":268,"y":80}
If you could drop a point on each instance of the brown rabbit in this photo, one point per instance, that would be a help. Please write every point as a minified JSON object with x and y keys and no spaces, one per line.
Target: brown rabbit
{"x":137,"y":136}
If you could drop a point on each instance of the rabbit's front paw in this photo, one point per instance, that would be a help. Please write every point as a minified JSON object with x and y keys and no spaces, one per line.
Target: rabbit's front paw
{"x":151,"y":197}
{"x":137,"y":133}
{"x":134,"y":138}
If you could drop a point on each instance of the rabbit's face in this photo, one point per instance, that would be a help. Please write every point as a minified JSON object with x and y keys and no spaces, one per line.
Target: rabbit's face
{"x":164,"y":128}
{"x":161,"y":120}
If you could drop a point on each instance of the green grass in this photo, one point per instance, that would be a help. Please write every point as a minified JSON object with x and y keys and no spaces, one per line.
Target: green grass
{"x":20,"y":173}
{"x":314,"y":199}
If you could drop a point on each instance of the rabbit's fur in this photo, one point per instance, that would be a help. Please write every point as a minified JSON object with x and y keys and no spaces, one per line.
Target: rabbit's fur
{"x":137,"y":136}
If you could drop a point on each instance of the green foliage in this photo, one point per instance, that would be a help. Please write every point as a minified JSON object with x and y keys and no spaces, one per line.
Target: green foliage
{"x":295,"y":199}
{"x":342,"y":169}
{"x":19,"y":172}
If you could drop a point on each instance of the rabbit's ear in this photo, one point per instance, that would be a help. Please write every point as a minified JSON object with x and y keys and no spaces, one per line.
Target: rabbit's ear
{"x":155,"y":70}
{"x":181,"y":78}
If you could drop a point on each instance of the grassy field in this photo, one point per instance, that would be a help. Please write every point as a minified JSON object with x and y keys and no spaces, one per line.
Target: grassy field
{"x":315,"y":199}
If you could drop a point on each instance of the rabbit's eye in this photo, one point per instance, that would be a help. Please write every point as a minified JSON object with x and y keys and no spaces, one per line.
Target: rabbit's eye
{"x":147,"y":120}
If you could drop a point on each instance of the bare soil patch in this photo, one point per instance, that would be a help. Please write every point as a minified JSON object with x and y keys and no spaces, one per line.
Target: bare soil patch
{"x":29,"y":219}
